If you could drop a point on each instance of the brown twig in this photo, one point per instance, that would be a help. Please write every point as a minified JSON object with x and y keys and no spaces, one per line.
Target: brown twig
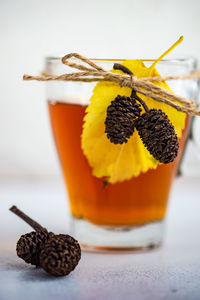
{"x":133,"y":93}
{"x":122,"y":68}
{"x":26,"y":218}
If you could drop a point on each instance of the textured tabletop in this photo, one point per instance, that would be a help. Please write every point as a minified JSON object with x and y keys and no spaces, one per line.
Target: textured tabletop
{"x":170,"y":272}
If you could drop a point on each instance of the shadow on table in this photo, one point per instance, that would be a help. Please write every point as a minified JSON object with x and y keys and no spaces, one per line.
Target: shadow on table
{"x":28,"y":272}
{"x":39,"y":275}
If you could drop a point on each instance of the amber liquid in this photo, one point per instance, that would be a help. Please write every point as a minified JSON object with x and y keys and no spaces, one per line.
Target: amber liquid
{"x":140,"y":200}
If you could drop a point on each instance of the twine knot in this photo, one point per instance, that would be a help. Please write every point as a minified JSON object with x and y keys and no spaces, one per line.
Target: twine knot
{"x":91,"y":72}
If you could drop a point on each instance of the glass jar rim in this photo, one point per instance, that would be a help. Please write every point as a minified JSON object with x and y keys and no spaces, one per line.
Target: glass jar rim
{"x":189,"y":59}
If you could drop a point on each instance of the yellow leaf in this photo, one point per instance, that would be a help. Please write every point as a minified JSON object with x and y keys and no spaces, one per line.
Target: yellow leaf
{"x":121,"y":162}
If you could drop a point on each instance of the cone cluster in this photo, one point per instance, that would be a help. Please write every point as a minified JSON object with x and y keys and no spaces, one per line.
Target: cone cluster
{"x":155,"y":129}
{"x":56,"y":254}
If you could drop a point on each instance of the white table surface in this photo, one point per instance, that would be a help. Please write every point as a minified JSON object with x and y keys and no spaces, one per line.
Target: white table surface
{"x":170,"y":272}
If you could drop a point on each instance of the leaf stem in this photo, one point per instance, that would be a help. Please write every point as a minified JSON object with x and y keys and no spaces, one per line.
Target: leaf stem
{"x":166,"y":52}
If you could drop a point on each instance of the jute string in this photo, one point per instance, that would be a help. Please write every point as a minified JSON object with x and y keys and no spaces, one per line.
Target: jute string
{"x":143,"y":85}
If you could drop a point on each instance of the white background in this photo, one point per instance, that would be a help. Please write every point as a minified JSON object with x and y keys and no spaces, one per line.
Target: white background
{"x":31,"y":30}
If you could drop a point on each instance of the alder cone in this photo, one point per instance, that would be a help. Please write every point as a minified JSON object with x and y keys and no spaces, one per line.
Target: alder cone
{"x":120,"y":120}
{"x":158,"y":135}
{"x":30,"y":245}
{"x":60,"y":255}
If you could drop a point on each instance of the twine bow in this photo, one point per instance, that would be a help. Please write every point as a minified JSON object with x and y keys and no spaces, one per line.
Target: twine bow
{"x":144,"y":85}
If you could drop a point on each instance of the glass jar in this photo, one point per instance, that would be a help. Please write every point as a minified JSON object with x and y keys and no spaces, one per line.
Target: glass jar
{"x":125,"y":215}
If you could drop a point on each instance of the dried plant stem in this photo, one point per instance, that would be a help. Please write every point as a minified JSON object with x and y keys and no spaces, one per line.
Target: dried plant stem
{"x":26,"y":218}
{"x":133,"y":93}
{"x":122,"y":68}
